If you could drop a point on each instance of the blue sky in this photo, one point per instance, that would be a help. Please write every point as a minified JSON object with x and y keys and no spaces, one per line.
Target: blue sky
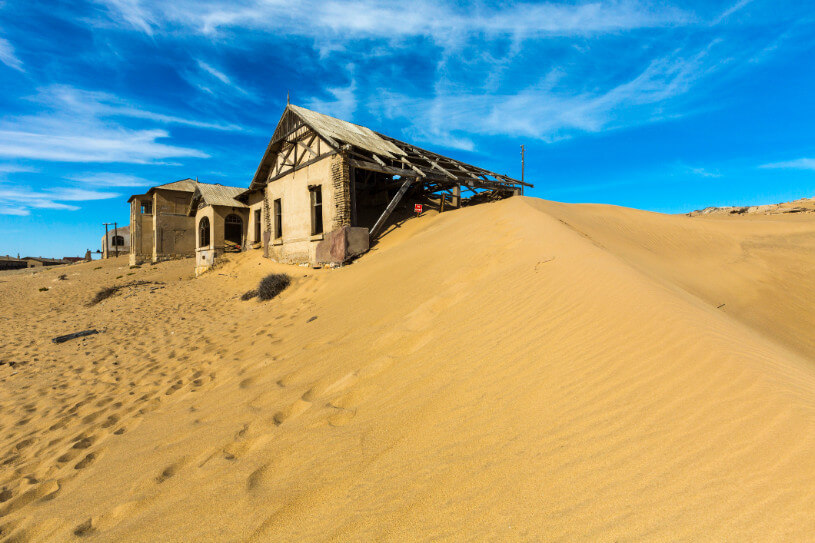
{"x":656,"y":105}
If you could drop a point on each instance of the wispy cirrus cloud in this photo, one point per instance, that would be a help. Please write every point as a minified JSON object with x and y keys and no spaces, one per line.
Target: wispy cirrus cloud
{"x":75,"y":125}
{"x":225,"y":87}
{"x":105,"y":179}
{"x":551,"y":110}
{"x":8,"y":56}
{"x":17,"y":200}
{"x":797,"y":164}
{"x":441,"y":21}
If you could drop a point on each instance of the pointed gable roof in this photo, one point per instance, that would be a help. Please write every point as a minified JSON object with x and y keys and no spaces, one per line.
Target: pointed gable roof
{"x":361,"y":142}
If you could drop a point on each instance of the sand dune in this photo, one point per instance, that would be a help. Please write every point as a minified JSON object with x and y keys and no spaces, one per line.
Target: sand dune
{"x":523,"y":370}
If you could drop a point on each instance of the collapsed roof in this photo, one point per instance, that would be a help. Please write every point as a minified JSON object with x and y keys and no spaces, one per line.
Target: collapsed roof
{"x":373,"y":151}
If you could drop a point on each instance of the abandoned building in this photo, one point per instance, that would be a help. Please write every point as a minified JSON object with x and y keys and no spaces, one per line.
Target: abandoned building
{"x":8,"y":262}
{"x":324,"y":190}
{"x":223,"y":222}
{"x":39,"y":261}
{"x":161,"y":227}
{"x":322,"y":179}
{"x":116,"y":242}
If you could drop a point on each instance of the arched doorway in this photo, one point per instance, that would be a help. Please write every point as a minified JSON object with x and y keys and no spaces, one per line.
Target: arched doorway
{"x":203,"y":232}
{"x":233,"y":229}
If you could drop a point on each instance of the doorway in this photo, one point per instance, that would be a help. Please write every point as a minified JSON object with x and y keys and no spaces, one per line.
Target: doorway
{"x":233,"y":229}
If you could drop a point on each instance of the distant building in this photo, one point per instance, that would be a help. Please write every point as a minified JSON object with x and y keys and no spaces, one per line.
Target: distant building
{"x":38,"y":261}
{"x":116,"y":242}
{"x":10,"y":263}
{"x":161,"y":226}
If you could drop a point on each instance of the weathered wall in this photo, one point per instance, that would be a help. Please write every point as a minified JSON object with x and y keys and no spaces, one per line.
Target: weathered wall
{"x":109,"y":249}
{"x":255,"y":203}
{"x":173,"y":230}
{"x":141,"y":232}
{"x":297,"y":244}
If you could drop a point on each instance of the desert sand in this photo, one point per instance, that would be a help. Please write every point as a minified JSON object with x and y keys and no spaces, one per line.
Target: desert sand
{"x":515,"y":371}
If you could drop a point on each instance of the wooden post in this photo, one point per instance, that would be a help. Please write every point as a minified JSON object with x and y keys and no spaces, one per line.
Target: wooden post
{"x":380,"y":222}
{"x":441,"y":204}
{"x":106,"y":252}
{"x":115,"y":233}
{"x":352,"y":174}
{"x":457,"y":196}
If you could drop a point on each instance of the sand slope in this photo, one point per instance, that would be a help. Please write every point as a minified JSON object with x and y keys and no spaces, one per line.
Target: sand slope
{"x":514,"y":371}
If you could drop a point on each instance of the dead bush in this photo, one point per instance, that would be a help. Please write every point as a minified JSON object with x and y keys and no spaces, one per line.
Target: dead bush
{"x":103,"y":294}
{"x":272,"y":285}
{"x":106,"y":292}
{"x":249,"y":294}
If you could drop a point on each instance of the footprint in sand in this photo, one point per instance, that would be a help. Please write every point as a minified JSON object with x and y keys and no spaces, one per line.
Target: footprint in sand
{"x":85,"y":462}
{"x":292,"y":410}
{"x":171,"y":470}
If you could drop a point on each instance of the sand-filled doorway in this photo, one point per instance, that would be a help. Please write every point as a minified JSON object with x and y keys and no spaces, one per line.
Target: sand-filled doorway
{"x":233,"y":229}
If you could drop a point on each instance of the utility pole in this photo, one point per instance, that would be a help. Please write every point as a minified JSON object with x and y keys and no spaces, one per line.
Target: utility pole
{"x":523,"y":152}
{"x":115,"y":234}
{"x":107,"y":242}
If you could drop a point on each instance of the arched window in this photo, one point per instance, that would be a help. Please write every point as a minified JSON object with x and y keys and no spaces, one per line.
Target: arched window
{"x":233,"y":229}
{"x":203,"y":231}
{"x":118,"y":241}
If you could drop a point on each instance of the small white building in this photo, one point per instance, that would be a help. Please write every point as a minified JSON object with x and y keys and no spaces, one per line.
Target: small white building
{"x":117,"y":241}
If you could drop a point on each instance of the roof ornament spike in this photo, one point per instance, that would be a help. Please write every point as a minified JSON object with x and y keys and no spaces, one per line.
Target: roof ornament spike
{"x":288,"y":102}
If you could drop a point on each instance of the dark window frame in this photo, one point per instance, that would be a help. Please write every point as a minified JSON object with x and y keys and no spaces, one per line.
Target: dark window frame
{"x":258,"y":217}
{"x":203,"y":232}
{"x":316,"y":205}
{"x":278,"y":218}
{"x":117,"y":241}
{"x":147,"y":208}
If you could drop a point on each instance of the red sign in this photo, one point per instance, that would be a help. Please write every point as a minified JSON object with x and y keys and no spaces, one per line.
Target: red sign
{"x":417,"y":208}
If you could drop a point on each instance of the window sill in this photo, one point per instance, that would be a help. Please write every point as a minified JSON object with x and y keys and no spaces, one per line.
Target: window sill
{"x":317,"y":237}
{"x":278,"y":241}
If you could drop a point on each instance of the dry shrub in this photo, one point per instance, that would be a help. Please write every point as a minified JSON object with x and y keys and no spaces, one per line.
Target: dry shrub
{"x":272,"y":285}
{"x":103,"y":294}
{"x":106,"y":292}
{"x":249,"y":294}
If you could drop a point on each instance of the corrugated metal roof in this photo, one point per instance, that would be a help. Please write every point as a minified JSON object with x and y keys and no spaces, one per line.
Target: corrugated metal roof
{"x":345,"y":132}
{"x":219,"y":195}
{"x":184,"y":185}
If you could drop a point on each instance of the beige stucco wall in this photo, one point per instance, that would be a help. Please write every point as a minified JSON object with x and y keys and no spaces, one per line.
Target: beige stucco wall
{"x":173,"y":235}
{"x":205,"y":256}
{"x":255,"y":203}
{"x":141,"y":234}
{"x":297,"y":244}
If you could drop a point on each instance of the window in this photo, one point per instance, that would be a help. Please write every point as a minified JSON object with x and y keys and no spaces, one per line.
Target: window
{"x":257,"y":226}
{"x":278,"y":219}
{"x":316,"y":193}
{"x":146,"y":208}
{"x":203,"y":231}
{"x":118,"y":241}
